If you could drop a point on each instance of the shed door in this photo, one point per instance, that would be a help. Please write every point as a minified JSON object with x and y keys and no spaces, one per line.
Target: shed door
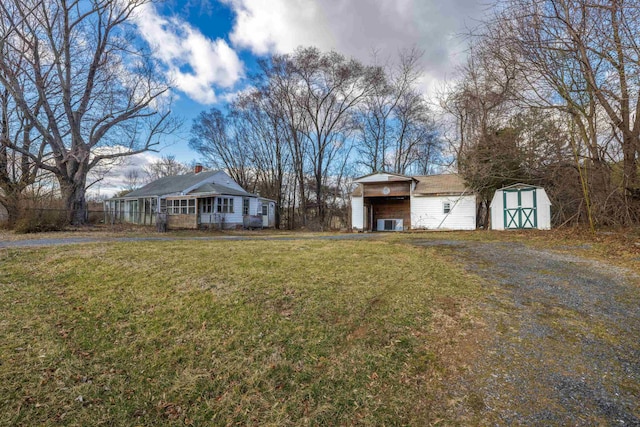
{"x":520,"y":210}
{"x":265,"y":215}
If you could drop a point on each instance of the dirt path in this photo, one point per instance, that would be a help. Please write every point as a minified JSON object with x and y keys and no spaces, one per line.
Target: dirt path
{"x":564,"y":345}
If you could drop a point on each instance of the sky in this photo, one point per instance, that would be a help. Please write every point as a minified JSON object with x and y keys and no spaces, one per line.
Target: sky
{"x":209,"y":47}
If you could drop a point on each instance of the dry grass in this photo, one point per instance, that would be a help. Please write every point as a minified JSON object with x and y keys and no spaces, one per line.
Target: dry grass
{"x":130,"y":230}
{"x":260,"y":333}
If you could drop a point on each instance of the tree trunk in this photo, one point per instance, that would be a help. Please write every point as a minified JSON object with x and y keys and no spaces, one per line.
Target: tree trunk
{"x":74,"y":198}
{"x":630,"y":167}
{"x":320,"y":201}
{"x":11,"y":204}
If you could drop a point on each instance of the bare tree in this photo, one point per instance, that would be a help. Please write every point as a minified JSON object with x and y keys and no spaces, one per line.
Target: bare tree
{"x":482,"y":103}
{"x":216,"y":137}
{"x":17,"y":171}
{"x":281,"y":83}
{"x":330,"y":88}
{"x":92,"y":85}
{"x":264,"y":133}
{"x":394,"y":122}
{"x":579,"y":57}
{"x":167,"y":165}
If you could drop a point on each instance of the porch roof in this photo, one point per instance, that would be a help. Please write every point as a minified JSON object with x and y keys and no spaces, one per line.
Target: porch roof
{"x":217,"y":189}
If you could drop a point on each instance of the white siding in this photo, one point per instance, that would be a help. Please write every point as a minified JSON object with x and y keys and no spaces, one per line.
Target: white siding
{"x":357,"y":213}
{"x":497,"y":211}
{"x":255,"y":206}
{"x":427,"y":212}
{"x":231,"y":219}
{"x":544,"y":210}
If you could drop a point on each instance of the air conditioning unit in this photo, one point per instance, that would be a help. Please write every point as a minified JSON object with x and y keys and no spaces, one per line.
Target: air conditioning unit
{"x":389,"y":225}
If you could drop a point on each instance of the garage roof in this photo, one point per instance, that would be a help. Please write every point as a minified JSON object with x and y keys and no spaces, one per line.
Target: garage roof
{"x":431,"y":185}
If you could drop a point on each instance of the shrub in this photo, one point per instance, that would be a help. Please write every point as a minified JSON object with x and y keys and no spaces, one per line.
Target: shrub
{"x":40,"y":220}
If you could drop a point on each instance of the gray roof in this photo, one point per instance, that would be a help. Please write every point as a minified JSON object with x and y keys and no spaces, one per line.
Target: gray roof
{"x":211,"y":188}
{"x":171,"y":184}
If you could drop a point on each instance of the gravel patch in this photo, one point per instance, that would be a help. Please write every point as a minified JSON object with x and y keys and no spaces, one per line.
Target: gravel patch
{"x":565,"y":347}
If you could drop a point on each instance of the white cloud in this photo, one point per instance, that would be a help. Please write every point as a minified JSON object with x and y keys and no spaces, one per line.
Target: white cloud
{"x":279,"y":25}
{"x":357,"y":27}
{"x":112,"y":177}
{"x":195,"y":63}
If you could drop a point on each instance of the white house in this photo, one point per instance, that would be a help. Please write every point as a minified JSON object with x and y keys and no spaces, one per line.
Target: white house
{"x":520,"y":206}
{"x":393,"y":202}
{"x":194,"y":200}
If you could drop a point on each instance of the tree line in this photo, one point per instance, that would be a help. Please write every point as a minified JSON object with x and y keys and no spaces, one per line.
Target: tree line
{"x":310,"y":121}
{"x":548,"y":95}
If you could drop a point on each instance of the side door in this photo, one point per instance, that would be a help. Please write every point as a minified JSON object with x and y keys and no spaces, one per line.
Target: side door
{"x":265,"y":215}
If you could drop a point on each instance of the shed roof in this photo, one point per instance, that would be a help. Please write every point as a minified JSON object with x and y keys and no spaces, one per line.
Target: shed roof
{"x":452,"y":183}
{"x":171,"y":184}
{"x":519,"y":185}
{"x":431,"y":185}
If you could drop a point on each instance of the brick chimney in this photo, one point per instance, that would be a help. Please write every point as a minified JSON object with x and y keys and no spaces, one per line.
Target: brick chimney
{"x":198,"y":168}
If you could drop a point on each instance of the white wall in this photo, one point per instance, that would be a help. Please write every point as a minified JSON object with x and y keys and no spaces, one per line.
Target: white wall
{"x":234,"y":217}
{"x":255,"y":206}
{"x":544,"y":210}
{"x":427,"y":212}
{"x":497,"y":211}
{"x":357,"y":213}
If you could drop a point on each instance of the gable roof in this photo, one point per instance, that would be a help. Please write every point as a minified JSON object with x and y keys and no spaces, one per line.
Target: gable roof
{"x":519,"y":185}
{"x":171,"y":184}
{"x":383,"y":177}
{"x":429,"y":185}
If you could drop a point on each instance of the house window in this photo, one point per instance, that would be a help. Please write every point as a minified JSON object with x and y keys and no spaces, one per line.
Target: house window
{"x":245,"y":206}
{"x":181,"y":207}
{"x":265,"y":210}
{"x":206,"y":205}
{"x":446,"y":207}
{"x":225,"y":205}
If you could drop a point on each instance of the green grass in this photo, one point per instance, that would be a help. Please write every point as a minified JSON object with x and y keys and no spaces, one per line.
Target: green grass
{"x":224,"y":333}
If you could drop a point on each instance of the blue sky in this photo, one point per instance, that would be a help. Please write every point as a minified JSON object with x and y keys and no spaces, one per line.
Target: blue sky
{"x":231,"y":34}
{"x":208,"y":47}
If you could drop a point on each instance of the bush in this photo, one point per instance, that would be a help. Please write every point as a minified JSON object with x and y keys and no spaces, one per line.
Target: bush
{"x":40,"y":220}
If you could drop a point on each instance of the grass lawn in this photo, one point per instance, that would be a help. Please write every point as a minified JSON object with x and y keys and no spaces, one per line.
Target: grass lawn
{"x":223,"y":333}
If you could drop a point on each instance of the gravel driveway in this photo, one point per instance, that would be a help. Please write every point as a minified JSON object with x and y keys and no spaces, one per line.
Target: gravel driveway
{"x":564,"y":346}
